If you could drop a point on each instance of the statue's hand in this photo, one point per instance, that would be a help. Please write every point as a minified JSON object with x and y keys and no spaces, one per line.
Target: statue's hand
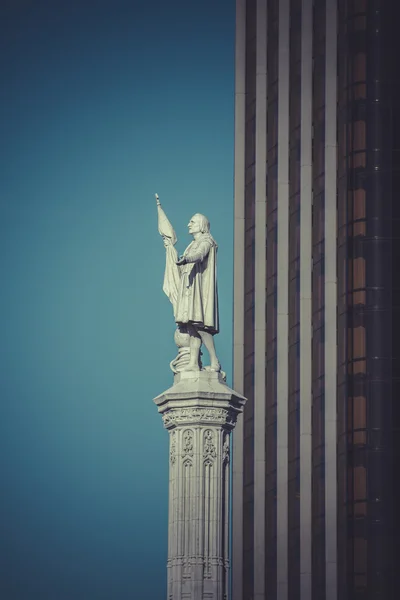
{"x":181,"y":261}
{"x":167,"y":241}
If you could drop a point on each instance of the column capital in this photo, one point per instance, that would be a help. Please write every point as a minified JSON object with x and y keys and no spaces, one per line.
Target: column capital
{"x":199,"y":398}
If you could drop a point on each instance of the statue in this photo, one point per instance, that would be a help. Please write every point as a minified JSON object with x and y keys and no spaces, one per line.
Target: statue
{"x":190,"y":282}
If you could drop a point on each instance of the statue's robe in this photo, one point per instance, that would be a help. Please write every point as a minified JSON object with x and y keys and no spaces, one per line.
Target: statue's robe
{"x":197,"y":297}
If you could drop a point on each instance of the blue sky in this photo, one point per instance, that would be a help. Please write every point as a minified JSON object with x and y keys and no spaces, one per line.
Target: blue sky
{"x":103,"y":103}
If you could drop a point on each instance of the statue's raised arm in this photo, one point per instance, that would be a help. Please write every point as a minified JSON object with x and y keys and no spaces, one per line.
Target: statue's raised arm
{"x":191,"y":285}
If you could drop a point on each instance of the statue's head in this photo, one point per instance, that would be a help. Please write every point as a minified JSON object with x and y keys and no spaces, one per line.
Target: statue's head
{"x":199,"y":224}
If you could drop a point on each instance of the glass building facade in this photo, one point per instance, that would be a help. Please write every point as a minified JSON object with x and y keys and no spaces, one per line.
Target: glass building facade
{"x":316,"y":455}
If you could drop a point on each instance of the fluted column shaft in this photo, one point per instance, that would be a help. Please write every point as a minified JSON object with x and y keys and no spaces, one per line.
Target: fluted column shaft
{"x":199,"y":412}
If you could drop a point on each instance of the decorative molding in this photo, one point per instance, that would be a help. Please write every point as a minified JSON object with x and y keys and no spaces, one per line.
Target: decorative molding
{"x":177,"y":416}
{"x":187,"y":569}
{"x":209,"y":449}
{"x":226,"y":450}
{"x":172,"y":452}
{"x":187,"y":438}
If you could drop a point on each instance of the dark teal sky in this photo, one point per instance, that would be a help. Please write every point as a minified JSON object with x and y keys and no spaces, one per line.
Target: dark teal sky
{"x":102,"y":104}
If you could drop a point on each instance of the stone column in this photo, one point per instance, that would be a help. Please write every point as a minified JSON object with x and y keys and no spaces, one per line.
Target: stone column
{"x":199,"y":411}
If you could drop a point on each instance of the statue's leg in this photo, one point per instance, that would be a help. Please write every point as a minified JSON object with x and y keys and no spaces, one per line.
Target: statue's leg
{"x":208,"y":341}
{"x":195,"y":343}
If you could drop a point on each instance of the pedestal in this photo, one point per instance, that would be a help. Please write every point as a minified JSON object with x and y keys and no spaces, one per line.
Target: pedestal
{"x":199,"y":411}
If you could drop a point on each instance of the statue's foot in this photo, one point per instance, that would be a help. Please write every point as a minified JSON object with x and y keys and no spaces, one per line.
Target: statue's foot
{"x":215,"y":366}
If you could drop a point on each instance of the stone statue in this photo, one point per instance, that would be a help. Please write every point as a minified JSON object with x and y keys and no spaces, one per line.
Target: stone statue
{"x":190,"y":282}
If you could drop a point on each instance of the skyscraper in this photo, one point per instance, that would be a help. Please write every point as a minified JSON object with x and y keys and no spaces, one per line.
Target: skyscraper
{"x":317,"y":300}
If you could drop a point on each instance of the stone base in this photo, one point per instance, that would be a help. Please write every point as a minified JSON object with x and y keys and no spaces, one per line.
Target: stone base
{"x":199,"y":411}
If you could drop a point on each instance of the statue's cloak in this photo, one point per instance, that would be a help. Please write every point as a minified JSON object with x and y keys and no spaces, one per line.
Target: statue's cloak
{"x":197,"y":300}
